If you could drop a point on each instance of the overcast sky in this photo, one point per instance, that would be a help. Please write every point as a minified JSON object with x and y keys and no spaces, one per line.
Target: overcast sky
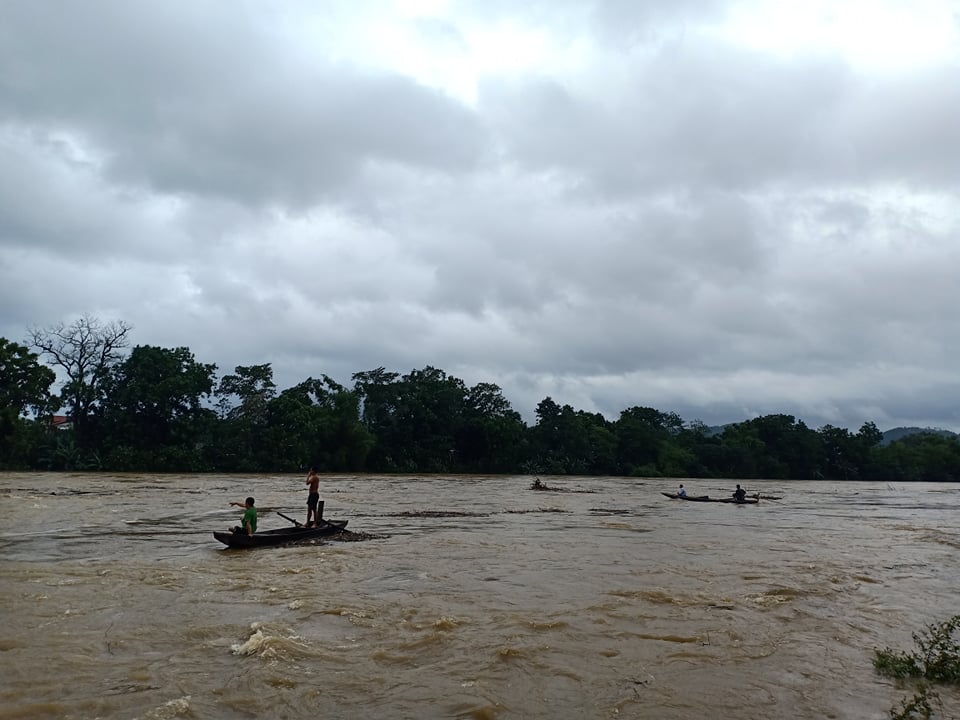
{"x":722,"y":209}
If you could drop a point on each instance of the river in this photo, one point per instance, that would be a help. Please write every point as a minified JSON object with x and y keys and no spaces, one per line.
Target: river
{"x":472,"y":597}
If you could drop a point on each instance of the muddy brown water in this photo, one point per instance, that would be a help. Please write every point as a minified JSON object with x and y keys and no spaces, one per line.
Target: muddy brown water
{"x":479,"y":598}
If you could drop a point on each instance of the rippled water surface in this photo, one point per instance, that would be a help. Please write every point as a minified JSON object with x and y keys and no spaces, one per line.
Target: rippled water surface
{"x":479,"y":598}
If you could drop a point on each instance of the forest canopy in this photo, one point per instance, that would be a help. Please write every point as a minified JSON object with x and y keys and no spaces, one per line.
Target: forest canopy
{"x":156,"y":409}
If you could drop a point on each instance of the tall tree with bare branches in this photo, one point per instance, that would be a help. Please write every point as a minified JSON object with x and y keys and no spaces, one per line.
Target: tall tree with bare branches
{"x":84,"y":350}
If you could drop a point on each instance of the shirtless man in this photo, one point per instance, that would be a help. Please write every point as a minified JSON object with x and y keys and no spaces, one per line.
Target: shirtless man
{"x":313,"y":480}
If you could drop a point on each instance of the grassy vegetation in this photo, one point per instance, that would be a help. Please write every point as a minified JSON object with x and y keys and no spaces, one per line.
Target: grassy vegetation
{"x":936,"y":659}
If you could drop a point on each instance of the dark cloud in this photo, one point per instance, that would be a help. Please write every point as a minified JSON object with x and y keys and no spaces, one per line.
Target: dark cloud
{"x":172,"y":107}
{"x":709,"y":115}
{"x":632,"y":209}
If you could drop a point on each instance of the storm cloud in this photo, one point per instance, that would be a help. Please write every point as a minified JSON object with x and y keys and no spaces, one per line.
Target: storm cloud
{"x":723,"y":209}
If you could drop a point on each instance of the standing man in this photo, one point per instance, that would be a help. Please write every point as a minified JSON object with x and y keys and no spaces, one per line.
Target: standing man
{"x":249,"y":522}
{"x":313,"y":480}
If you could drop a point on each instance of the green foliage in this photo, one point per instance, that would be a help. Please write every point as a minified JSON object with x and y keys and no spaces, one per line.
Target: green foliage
{"x":21,"y":441}
{"x":649,"y":470}
{"x":160,"y":409}
{"x":896,"y":664}
{"x":927,"y":457}
{"x":644,"y":438}
{"x":24,"y":382}
{"x":24,"y":389}
{"x":428,"y":421}
{"x":940,"y":652}
{"x":572,"y":442}
{"x":254,"y":387}
{"x":917,"y":707}
{"x":151,"y":413}
{"x":937,"y":659}
{"x":61,"y":451}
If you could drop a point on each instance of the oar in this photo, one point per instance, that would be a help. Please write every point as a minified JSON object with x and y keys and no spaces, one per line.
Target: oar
{"x":287,"y":517}
{"x":297,"y":523}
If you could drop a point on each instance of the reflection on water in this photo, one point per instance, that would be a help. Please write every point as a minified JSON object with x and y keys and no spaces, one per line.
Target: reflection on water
{"x":481,"y":598}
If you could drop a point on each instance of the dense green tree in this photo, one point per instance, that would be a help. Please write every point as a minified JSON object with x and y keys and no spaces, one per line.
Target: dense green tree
{"x":379,"y":393}
{"x":25,"y":401}
{"x":415,"y":419}
{"x":792,"y":450}
{"x":602,"y":444}
{"x":429,"y":421}
{"x":700,"y":449}
{"x":644,"y":435}
{"x":845,"y":455}
{"x":923,"y":456}
{"x":148,"y":411}
{"x":316,"y":423}
{"x":152,"y":410}
{"x":491,"y":436}
{"x":568,"y":441}
{"x":840,"y":461}
{"x":869,"y":435}
{"x":24,"y":382}
{"x":251,"y":385}
{"x":771,"y":446}
{"x":429,"y":414}
{"x":741,"y":452}
{"x":243,"y":399}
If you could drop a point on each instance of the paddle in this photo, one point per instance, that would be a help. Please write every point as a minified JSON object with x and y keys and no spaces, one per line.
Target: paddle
{"x":299,"y":524}
{"x":287,"y":517}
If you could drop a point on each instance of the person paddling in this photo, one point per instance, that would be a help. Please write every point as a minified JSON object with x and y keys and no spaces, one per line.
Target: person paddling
{"x":739,"y":494}
{"x":249,"y":522}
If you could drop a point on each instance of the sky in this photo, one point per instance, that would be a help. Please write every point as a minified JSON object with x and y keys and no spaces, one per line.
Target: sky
{"x":723,"y":209}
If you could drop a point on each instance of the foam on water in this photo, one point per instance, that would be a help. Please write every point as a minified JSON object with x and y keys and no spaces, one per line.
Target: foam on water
{"x":172,"y":709}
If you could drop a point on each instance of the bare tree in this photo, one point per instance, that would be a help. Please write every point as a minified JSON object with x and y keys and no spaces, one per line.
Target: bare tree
{"x":85,"y":350}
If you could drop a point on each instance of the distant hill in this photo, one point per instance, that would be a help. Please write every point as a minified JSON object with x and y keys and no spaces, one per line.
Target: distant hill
{"x":898,"y":433}
{"x":892,"y":435}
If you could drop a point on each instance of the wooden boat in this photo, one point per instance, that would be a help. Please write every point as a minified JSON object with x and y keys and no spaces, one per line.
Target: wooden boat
{"x":707,"y":498}
{"x":282,"y":536}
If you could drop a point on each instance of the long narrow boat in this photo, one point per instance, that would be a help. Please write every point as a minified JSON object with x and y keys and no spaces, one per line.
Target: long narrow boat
{"x":282,"y":536}
{"x":707,"y":498}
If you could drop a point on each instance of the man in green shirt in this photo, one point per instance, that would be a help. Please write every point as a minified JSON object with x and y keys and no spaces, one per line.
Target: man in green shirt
{"x":249,"y":522}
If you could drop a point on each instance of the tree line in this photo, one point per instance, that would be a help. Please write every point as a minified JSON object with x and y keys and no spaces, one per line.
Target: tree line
{"x":156,"y":409}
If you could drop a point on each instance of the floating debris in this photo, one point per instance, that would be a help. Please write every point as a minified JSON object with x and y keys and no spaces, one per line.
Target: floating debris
{"x":352,"y":536}
{"x":342,"y":536}
{"x":436,"y":513}
{"x":537,"y":484}
{"x":538,"y":510}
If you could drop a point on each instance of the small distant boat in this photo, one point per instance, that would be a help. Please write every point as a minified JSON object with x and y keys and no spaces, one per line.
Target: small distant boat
{"x":707,"y":498}
{"x":282,"y":536}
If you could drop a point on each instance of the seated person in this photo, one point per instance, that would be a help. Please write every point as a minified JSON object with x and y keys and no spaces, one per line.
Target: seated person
{"x":682,"y":492}
{"x":739,"y":494}
{"x":248,"y":524}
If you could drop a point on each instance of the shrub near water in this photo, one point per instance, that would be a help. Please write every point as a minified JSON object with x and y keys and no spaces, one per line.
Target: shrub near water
{"x":937,"y":660}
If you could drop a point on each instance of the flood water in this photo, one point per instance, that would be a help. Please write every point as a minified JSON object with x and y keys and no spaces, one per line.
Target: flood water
{"x":480,"y":598}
